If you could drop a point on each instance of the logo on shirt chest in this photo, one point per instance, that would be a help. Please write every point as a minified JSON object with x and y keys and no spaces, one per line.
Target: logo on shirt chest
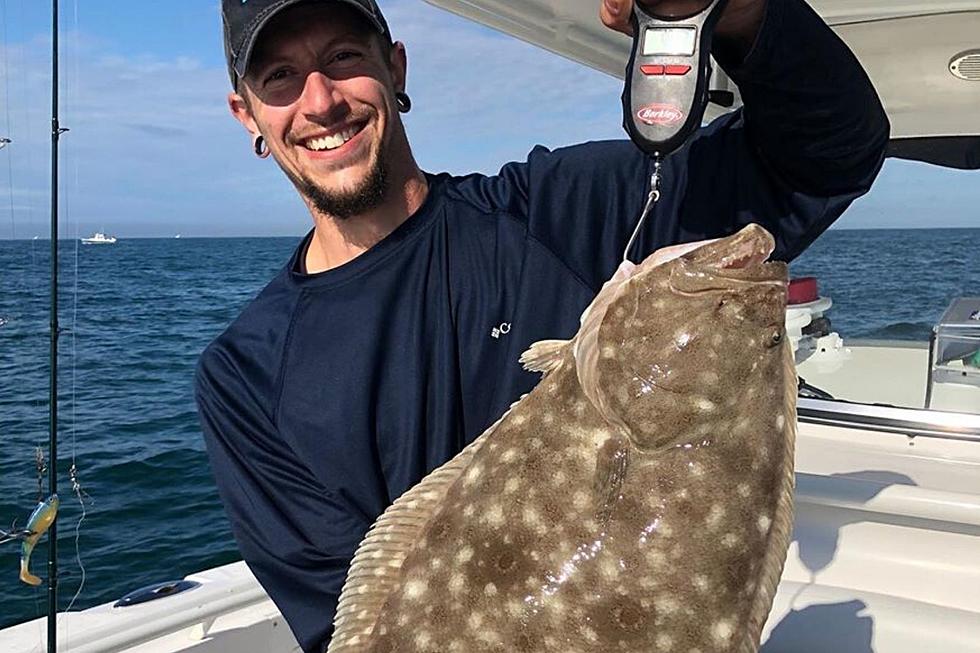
{"x":501,"y":330}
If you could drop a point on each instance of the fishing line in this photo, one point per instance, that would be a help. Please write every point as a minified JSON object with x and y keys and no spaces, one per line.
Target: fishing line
{"x":8,"y":126}
{"x":29,"y":154}
{"x":76,"y":486}
{"x":73,"y":470}
{"x":22,"y":283}
{"x":9,"y":131}
{"x":24,"y":137}
{"x":20,"y":65}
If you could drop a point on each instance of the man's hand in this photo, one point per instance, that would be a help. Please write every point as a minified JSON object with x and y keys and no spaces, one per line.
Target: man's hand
{"x":737,"y":27}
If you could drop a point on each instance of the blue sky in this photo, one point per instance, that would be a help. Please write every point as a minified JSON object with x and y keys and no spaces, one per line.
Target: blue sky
{"x":153,"y":151}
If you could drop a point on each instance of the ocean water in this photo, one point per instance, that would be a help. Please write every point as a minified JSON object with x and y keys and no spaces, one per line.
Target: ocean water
{"x":135,"y":316}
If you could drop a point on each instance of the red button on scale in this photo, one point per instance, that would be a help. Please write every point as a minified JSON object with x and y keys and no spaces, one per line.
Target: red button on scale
{"x":652,"y":69}
{"x":678,"y":69}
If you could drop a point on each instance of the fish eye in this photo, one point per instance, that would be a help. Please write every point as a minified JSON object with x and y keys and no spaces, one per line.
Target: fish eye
{"x":775,"y":336}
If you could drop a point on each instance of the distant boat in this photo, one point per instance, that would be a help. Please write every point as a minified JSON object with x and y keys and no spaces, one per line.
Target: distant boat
{"x":99,"y":239}
{"x":177,"y":236}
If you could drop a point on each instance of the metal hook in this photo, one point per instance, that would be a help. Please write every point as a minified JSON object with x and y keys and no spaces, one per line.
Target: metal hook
{"x":14,"y":534}
{"x":653,"y":198}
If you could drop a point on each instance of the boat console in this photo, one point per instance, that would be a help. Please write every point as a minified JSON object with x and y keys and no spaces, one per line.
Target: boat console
{"x":943,"y":374}
{"x":954,"y":346}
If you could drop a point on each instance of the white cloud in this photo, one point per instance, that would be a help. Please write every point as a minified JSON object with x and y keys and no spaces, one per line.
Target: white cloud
{"x":483,"y":98}
{"x":151,"y":139}
{"x":153,"y":150}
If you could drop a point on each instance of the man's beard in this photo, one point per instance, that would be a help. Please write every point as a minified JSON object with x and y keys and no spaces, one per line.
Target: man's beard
{"x":343,"y":204}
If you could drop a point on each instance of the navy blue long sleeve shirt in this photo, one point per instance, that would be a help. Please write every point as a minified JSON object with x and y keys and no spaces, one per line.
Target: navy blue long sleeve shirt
{"x":334,"y":393}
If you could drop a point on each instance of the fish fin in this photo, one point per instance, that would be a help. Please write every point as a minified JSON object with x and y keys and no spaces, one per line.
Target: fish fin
{"x":544,"y":356}
{"x":586,"y":342}
{"x":781,"y":531}
{"x":610,"y":472}
{"x":378,"y":559}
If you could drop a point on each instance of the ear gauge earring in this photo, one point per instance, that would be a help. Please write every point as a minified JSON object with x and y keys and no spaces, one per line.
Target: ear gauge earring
{"x":259,"y":145}
{"x":404,"y":102}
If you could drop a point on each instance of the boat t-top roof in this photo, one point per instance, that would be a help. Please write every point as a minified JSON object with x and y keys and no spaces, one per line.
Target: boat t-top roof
{"x":908,"y":47}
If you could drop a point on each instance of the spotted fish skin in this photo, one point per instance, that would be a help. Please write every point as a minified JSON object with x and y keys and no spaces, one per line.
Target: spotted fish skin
{"x":639,"y":499}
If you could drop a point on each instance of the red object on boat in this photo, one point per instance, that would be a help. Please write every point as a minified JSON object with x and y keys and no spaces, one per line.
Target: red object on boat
{"x":803,"y":290}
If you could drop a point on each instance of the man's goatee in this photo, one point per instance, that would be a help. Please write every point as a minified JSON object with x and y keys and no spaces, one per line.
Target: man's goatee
{"x":367,"y":195}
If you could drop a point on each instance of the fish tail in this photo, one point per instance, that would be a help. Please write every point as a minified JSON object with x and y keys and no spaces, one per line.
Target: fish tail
{"x":26,"y":549}
{"x":26,"y":575}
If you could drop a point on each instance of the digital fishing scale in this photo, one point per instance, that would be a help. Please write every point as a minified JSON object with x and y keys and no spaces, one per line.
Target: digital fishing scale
{"x":666,"y":91}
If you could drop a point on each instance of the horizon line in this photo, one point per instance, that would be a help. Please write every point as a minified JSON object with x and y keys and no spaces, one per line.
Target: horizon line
{"x":7,"y":239}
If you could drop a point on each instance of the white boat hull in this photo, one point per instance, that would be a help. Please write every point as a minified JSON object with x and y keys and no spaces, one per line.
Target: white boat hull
{"x":885,"y":559}
{"x":100,"y":238}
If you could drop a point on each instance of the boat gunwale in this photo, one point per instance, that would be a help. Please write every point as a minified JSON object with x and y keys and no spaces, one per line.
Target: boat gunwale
{"x":913,"y":422}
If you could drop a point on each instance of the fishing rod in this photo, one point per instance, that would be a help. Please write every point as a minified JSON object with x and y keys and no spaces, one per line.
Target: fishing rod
{"x":44,"y":518}
{"x":56,"y":132}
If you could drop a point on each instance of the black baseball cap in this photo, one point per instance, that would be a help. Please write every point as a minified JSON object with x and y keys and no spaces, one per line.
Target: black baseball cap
{"x":244,"y":19}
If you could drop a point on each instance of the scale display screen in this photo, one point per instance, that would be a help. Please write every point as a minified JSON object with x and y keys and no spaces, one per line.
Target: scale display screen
{"x":670,"y":41}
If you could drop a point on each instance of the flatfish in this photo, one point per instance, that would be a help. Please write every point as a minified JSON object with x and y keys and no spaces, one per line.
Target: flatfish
{"x":638,"y":499}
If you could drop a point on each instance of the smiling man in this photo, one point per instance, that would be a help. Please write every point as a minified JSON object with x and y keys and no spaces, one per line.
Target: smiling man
{"x":391,"y":338}
{"x":321,"y":95}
